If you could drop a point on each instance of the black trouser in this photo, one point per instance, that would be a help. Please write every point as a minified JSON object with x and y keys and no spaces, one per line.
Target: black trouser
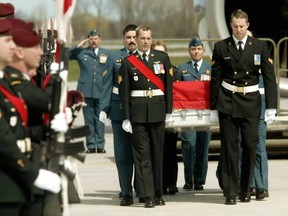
{"x":170,"y":163}
{"x":229,"y":131}
{"x":13,"y":209}
{"x":147,"y":147}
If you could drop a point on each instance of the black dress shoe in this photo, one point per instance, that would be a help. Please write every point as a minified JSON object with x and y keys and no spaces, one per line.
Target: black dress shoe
{"x":103,"y":151}
{"x":165,"y":191}
{"x":126,"y":200}
{"x":252,"y":192}
{"x":159,"y":201}
{"x":230,"y":200}
{"x":198,"y":187}
{"x":188,"y":186}
{"x":141,"y":199}
{"x":244,"y":198}
{"x":89,"y":151}
{"x":173,"y":189}
{"x":149,"y":202}
{"x":261,"y":194}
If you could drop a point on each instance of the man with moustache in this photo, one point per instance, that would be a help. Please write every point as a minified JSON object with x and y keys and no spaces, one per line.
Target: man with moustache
{"x":145,"y":89}
{"x":110,"y":105}
{"x":92,"y":61}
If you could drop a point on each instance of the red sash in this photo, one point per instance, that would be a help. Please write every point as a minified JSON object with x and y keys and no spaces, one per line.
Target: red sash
{"x":146,"y":71}
{"x":18,"y":103}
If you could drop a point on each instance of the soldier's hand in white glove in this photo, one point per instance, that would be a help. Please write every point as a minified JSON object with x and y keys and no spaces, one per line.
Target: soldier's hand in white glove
{"x":270,"y":116}
{"x":68,"y":114}
{"x":126,"y":125}
{"x":47,"y":180}
{"x":102,"y":117}
{"x":214,"y":116}
{"x":168,"y":119}
{"x":59,"y":123}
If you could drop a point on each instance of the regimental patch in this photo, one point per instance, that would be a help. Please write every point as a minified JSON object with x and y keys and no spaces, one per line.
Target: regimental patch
{"x":17,"y":82}
{"x":104,"y":73}
{"x":119,"y":79}
{"x":213,"y":62}
{"x":270,"y":60}
{"x":208,"y":72}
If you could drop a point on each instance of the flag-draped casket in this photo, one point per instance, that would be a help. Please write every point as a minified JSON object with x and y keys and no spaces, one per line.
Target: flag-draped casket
{"x":191,"y":105}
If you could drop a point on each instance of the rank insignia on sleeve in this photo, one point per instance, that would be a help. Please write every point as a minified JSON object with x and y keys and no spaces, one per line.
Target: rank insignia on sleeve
{"x":16,"y":82}
{"x":270,"y":60}
{"x":104,"y":73}
{"x":171,"y":71}
{"x":119,"y":79}
{"x":20,"y":163}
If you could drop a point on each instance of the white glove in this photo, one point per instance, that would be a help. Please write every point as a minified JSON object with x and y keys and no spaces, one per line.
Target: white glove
{"x":102,"y":117}
{"x":169,"y":119}
{"x":214,"y":116}
{"x":59,"y":123}
{"x":126,"y":125}
{"x":68,"y":113}
{"x":47,"y":180}
{"x":270,"y":116}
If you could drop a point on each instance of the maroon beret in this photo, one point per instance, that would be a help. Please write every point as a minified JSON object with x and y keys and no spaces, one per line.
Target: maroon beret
{"x":5,"y":26}
{"x":25,"y":37}
{"x":18,"y":23}
{"x":6,"y":9}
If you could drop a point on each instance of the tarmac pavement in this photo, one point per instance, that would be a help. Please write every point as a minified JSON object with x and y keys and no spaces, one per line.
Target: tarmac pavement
{"x":99,"y":180}
{"x":98,"y":176}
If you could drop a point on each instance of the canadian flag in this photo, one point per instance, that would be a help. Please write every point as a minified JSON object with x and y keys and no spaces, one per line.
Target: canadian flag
{"x":64,"y":10}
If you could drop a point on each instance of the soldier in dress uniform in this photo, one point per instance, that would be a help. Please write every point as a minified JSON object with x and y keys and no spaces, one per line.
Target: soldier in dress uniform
{"x":236,"y":102}
{"x":110,"y":105}
{"x":17,"y":173}
{"x":145,"y":88}
{"x":27,"y":57}
{"x":170,"y":159}
{"x":92,"y":61}
{"x":195,"y":144}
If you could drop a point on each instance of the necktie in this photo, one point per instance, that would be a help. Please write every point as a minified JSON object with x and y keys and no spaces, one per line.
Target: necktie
{"x":144,"y":58}
{"x":240,"y":47}
{"x":196,"y":68}
{"x":130,"y":52}
{"x":94,"y":52}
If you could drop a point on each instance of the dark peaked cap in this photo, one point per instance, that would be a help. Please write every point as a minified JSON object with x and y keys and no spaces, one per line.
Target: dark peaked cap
{"x":6,"y":9}
{"x":93,"y":33}
{"x":195,"y":41}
